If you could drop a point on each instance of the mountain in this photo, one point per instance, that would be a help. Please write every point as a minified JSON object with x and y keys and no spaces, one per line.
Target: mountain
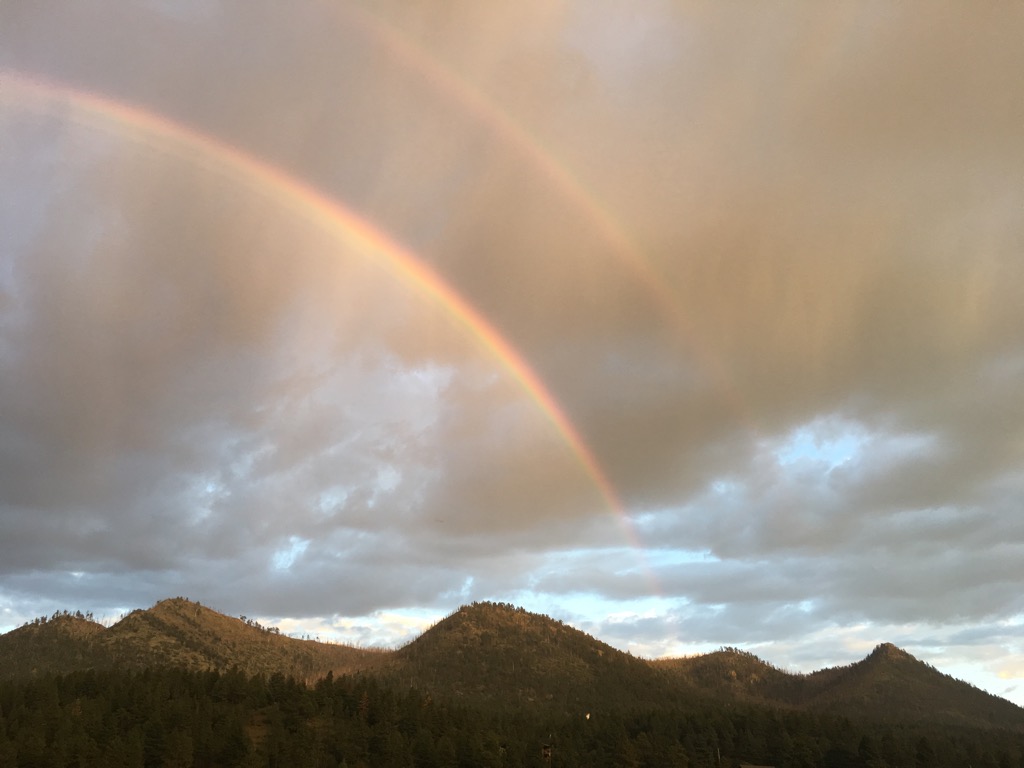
{"x":507,"y":658}
{"x":889,"y":685}
{"x":734,"y":675}
{"x":175,"y":632}
{"x":890,"y":680}
{"x":63,"y":643}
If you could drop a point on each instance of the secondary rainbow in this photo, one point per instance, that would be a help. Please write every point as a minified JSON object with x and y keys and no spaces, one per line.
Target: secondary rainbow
{"x":147,"y":127}
{"x":514,"y":136}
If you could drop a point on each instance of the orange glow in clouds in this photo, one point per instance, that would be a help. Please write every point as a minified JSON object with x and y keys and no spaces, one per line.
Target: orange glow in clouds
{"x":28,"y":93}
{"x":514,"y":136}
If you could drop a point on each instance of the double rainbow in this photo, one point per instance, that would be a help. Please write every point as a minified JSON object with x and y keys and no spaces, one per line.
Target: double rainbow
{"x":27,"y":93}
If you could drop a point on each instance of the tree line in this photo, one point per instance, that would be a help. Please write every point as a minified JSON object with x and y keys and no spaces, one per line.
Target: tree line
{"x":173,"y":718}
{"x":65,"y":614}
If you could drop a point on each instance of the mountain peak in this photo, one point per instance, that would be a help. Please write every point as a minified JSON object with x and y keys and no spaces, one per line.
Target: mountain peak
{"x":175,"y":602}
{"x":484,"y":617}
{"x":890,"y":652}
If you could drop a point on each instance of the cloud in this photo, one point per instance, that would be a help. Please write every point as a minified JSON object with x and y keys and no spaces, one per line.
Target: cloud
{"x":767,"y":266}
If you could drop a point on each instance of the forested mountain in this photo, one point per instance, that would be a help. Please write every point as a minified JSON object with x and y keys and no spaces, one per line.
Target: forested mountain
{"x":491,"y":684}
{"x":511,"y":658}
{"x":730,"y":674}
{"x":889,"y":685}
{"x":175,"y":632}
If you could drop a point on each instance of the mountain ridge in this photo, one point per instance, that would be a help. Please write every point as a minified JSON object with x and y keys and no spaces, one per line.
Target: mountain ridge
{"x":173,"y":632}
{"x":496,"y":654}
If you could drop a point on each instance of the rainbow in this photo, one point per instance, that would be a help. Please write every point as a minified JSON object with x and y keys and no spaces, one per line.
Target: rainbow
{"x":29,"y":93}
{"x":515,"y":137}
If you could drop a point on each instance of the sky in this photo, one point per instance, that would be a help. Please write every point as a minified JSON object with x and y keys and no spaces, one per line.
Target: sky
{"x":689,"y":324}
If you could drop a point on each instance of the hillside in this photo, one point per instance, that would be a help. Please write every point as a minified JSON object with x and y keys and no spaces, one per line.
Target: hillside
{"x":733,"y":675}
{"x":63,"y":643}
{"x":891,"y":684}
{"x":510,"y":657}
{"x":505,"y":658}
{"x":173,"y":633}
